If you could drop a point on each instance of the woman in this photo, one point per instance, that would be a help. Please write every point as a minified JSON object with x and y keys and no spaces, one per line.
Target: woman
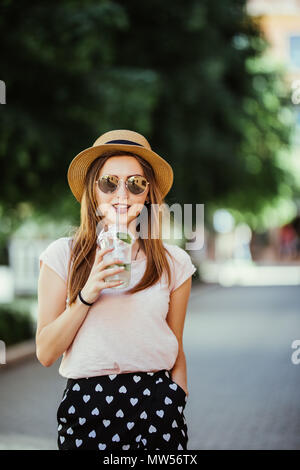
{"x":118,"y":345}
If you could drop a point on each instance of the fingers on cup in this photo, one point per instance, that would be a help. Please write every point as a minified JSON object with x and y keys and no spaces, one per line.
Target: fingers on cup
{"x":111,"y":283}
{"x":106,"y":264}
{"x":102,"y":251}
{"x":111,"y":272}
{"x":115,"y":269}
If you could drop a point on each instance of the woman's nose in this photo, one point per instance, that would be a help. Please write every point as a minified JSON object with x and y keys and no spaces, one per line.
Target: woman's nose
{"x":122,"y":190}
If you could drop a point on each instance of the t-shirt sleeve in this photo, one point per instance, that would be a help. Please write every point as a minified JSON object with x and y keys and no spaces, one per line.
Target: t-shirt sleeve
{"x":181,"y":267}
{"x":56,"y":257}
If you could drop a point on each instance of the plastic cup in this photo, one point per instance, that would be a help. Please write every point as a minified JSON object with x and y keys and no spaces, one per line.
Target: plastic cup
{"x":122,"y":240}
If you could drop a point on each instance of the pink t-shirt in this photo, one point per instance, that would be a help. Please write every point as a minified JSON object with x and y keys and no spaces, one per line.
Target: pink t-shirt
{"x":123,"y":333}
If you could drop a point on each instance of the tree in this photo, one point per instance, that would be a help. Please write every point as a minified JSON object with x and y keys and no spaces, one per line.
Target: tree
{"x":181,"y":73}
{"x":219,"y":117}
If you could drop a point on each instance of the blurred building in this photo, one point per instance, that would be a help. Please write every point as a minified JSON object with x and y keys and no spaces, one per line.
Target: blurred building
{"x":280,"y":22}
{"x":238,"y":255}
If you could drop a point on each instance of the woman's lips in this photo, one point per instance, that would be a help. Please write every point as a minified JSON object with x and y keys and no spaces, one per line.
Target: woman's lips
{"x":122,"y":210}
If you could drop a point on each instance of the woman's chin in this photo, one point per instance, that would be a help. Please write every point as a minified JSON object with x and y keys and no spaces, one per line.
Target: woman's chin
{"x":124,"y":219}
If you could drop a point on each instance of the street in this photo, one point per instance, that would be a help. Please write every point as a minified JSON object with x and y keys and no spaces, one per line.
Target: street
{"x":243,"y":386}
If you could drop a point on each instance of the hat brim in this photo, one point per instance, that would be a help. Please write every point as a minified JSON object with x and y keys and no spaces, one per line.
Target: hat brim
{"x":80,"y":164}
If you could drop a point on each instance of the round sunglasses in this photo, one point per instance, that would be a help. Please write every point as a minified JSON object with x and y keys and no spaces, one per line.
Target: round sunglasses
{"x":136,"y":184}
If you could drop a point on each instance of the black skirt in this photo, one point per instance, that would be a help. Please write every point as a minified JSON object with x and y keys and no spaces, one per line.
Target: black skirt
{"x":128,"y":411}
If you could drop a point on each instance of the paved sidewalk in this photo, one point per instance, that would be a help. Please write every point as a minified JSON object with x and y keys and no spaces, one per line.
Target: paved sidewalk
{"x":29,"y":396}
{"x":243,"y":386}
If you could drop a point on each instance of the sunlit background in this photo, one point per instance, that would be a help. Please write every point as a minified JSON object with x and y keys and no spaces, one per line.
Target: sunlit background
{"x":215,"y":88}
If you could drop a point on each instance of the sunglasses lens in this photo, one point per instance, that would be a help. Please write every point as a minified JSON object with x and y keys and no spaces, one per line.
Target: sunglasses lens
{"x":137,"y":184}
{"x":108,"y":183}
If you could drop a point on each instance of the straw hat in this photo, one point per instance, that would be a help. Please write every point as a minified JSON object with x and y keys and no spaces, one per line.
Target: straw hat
{"x":120,"y":139}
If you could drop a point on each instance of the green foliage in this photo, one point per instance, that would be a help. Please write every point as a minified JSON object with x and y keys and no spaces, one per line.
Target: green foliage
{"x":218,"y":117}
{"x":188,"y":75}
{"x":15,"y":326}
{"x":63,"y":90}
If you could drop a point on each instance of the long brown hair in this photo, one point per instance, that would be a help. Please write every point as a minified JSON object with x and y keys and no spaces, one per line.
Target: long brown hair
{"x":84,"y":240}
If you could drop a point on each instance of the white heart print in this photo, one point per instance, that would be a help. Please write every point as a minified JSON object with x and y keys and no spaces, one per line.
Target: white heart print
{"x":130,"y":425}
{"x":152,"y":429}
{"x":133,"y":401}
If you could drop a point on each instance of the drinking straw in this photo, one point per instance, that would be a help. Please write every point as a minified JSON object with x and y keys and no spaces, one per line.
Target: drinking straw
{"x":118,"y":218}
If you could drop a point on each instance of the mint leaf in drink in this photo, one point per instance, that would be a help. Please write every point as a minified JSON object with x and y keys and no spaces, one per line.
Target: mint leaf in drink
{"x":125,"y":237}
{"x":116,"y":265}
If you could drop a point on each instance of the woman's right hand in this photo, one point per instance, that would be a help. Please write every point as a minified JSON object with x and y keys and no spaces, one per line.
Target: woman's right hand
{"x":96,"y":280}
